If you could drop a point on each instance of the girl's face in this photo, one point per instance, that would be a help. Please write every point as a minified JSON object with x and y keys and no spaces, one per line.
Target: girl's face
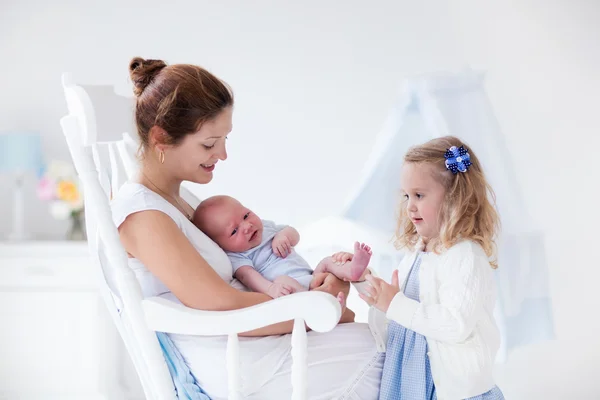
{"x":424,"y":196}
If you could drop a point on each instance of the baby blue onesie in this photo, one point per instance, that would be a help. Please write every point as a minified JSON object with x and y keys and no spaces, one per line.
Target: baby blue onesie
{"x":269,"y":265}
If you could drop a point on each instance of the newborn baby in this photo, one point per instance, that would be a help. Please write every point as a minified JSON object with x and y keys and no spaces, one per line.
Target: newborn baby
{"x":262,"y":253}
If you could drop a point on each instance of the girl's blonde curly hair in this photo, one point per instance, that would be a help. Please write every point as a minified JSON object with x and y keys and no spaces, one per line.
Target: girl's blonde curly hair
{"x":468,"y":211}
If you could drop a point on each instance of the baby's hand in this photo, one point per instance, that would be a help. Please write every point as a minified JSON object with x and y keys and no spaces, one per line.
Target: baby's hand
{"x":342,"y":257}
{"x":276,"y":290}
{"x":281,"y":245}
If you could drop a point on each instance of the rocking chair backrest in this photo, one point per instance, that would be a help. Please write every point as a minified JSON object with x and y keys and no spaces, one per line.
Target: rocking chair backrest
{"x":105,"y":159}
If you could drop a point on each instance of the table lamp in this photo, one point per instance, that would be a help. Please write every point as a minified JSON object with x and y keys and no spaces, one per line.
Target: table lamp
{"x":20,"y":155}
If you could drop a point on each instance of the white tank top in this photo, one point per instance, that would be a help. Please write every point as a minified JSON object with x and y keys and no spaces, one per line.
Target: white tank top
{"x":135,"y":197}
{"x":260,"y":356}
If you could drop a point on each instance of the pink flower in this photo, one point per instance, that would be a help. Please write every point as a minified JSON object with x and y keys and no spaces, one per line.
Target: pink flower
{"x":46,"y":189}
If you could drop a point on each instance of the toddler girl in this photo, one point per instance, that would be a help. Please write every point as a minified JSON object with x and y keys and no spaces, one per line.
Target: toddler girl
{"x":442,"y":335}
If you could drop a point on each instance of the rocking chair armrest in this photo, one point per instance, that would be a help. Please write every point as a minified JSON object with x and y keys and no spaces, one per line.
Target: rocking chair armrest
{"x":321,"y":312}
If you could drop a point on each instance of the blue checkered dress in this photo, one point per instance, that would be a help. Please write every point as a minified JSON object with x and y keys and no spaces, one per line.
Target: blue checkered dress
{"x":406,"y":371}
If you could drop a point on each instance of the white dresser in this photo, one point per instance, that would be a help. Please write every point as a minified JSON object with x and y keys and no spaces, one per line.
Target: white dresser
{"x":56,"y":337}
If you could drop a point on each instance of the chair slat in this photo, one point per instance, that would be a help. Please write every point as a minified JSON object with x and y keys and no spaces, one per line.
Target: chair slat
{"x":117,"y":171}
{"x":234,"y":378}
{"x":300,"y":361}
{"x":128,"y":150}
{"x":100,"y":158}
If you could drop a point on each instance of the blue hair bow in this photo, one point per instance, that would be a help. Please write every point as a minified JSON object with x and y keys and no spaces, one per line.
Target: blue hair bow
{"x":457,"y":159}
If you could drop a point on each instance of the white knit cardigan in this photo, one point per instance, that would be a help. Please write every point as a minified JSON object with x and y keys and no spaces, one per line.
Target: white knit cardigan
{"x":455,"y":314}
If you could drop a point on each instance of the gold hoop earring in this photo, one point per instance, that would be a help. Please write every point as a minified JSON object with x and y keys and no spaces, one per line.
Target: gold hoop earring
{"x":161,"y":157}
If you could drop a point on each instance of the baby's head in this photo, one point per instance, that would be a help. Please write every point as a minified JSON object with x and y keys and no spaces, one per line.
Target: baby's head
{"x":446,"y":196}
{"x":231,"y":225}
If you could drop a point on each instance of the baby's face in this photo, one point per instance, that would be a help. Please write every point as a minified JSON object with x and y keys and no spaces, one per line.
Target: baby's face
{"x":234,"y":227}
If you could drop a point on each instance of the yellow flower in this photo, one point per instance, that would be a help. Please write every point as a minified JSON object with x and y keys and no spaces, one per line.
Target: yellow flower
{"x":67,"y":191}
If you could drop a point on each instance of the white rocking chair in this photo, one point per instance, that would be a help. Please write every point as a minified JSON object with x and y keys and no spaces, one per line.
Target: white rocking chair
{"x":104,"y":158}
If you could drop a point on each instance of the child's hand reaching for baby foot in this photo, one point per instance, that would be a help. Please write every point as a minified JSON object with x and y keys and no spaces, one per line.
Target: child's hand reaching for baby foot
{"x":282,"y":247}
{"x":381,"y":293}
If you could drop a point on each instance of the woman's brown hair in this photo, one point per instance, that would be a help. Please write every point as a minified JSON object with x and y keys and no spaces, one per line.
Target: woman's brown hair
{"x":178,"y":98}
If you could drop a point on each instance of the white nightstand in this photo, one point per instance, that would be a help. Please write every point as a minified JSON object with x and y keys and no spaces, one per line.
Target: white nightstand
{"x":56,"y":337}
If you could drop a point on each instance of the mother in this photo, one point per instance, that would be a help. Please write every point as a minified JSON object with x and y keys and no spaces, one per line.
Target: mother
{"x":183,"y":116}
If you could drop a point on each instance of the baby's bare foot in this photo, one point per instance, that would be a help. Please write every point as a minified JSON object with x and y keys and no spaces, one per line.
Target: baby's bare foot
{"x":353,"y":270}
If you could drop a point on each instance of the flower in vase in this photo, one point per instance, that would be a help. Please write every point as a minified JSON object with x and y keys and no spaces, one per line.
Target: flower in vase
{"x":67,"y":191}
{"x":45,"y":189}
{"x":61,"y":188}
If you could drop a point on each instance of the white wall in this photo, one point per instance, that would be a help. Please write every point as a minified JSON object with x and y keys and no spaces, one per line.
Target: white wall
{"x":544,"y":80}
{"x":313,"y":81}
{"x":306,"y":77}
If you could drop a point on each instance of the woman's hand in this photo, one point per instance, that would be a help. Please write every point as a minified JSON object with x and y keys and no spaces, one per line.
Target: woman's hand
{"x":326,"y":282}
{"x":347,"y":316}
{"x":380,"y":292}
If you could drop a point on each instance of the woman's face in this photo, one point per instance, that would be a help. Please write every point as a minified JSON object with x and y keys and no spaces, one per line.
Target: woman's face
{"x":195,"y":158}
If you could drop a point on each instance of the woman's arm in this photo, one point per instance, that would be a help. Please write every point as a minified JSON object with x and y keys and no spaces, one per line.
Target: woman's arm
{"x":169,"y":255}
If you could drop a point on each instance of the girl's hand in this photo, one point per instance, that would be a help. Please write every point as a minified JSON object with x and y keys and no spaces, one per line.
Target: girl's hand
{"x":381,"y":293}
{"x":342,"y":257}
